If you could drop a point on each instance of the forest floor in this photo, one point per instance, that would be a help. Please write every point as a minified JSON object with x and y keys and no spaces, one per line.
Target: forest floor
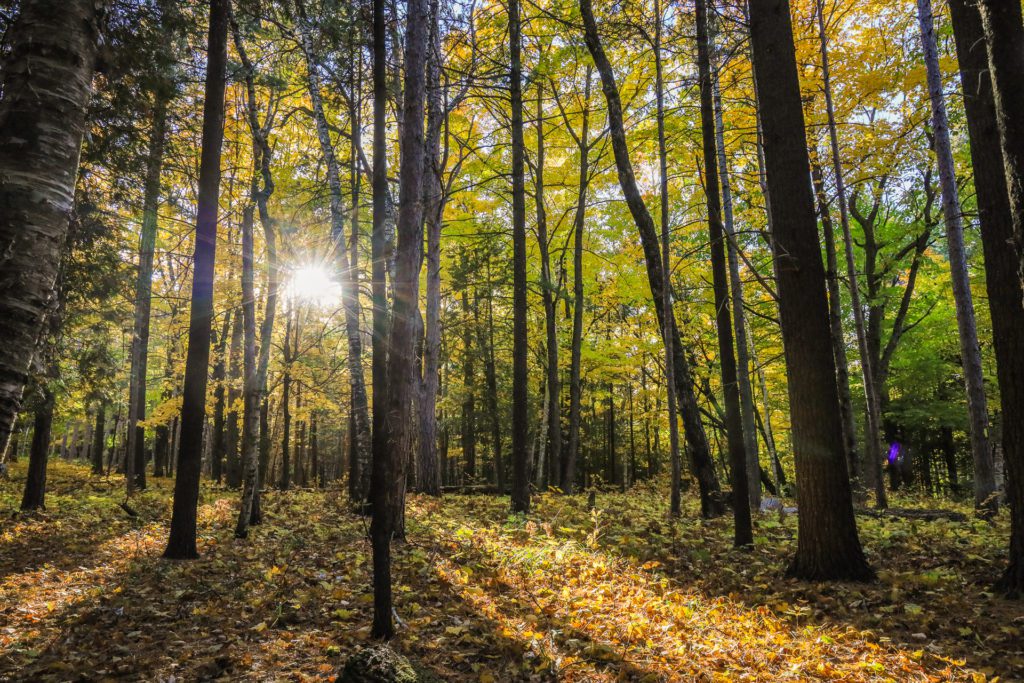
{"x":616,"y":594}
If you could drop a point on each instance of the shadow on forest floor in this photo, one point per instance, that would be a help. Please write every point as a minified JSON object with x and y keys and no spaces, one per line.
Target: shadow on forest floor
{"x":620,"y":594}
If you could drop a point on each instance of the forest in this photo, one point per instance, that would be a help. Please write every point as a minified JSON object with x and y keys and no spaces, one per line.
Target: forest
{"x":404,"y":341}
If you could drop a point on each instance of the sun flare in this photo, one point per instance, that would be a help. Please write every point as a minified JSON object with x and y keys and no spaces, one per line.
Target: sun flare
{"x":313,"y":284}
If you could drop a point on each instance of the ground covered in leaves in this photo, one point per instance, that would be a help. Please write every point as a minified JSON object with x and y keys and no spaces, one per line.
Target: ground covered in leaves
{"x":617,"y":593}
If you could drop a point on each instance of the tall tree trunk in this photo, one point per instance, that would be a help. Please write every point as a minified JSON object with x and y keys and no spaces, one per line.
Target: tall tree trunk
{"x":468,"y":400}
{"x":486,"y":339}
{"x":47,"y":77}
{"x":520,"y":387}
{"x":388,"y":478}
{"x":378,"y":237}
{"x":970,"y":352}
{"x":1001,"y":264}
{"x":738,"y":317}
{"x":219,"y":435}
{"x":286,"y":402}
{"x":675,"y":502}
{"x":182,"y":541}
{"x":548,"y":293}
{"x":699,"y":450}
{"x":429,"y":467}
{"x":835,"y":317}
{"x":250,"y":390}
{"x":568,"y":475}
{"x":872,"y":437}
{"x":135,"y":465}
{"x":827,"y":543}
{"x":34,"y":497}
{"x":743,"y":532}
{"x":99,"y":435}
{"x":233,"y":469}
{"x":350,"y":293}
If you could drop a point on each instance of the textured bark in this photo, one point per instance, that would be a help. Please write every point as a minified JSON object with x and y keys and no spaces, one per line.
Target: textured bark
{"x":34,"y":497}
{"x":136,"y":464}
{"x":233,"y":466}
{"x":350,"y":293}
{"x":388,"y":477}
{"x":250,"y":390}
{"x":469,"y":399}
{"x":835,"y":318}
{"x":286,"y":403}
{"x":182,"y":541}
{"x":970,"y":351}
{"x":1001,"y":264}
{"x":872,"y":437}
{"x":99,"y":435}
{"x":47,"y":76}
{"x":568,"y":476}
{"x":827,"y":543}
{"x":738,"y":317}
{"x":218,"y":435}
{"x":553,"y":417}
{"x":743,"y":532}
{"x":429,"y":467}
{"x":698,"y":448}
{"x":520,"y":400}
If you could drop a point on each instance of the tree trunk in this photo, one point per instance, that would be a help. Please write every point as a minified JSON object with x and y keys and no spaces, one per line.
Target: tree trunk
{"x":250,"y":389}
{"x":468,"y":400}
{"x":520,"y":387}
{"x":548,"y":294}
{"x":872,"y":437}
{"x":182,"y":541}
{"x":286,"y":404}
{"x":388,"y":478}
{"x":135,"y":465}
{"x":835,"y":317}
{"x":1002,"y":265}
{"x":47,"y":78}
{"x":970,"y":352}
{"x":233,"y":469}
{"x":827,"y":544}
{"x":429,"y":467}
{"x":99,"y":438}
{"x":700,"y":452}
{"x":568,"y":475}
{"x":219,"y":436}
{"x":34,"y":497}
{"x":738,"y":318}
{"x":491,"y":377}
{"x":743,"y":532}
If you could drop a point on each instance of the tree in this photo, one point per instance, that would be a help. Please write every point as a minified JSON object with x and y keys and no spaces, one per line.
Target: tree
{"x":47,"y":76}
{"x":181,"y":544}
{"x":970,"y":351}
{"x":388,"y":477}
{"x":723,"y":319}
{"x":1002,"y":265}
{"x":700,"y":454}
{"x":827,"y":542}
{"x":520,"y":399}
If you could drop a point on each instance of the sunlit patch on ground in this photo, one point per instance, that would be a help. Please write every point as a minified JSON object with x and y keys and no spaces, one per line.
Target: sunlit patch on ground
{"x":566,"y":594}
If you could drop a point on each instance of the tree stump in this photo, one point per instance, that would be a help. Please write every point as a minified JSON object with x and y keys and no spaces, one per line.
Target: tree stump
{"x":382,"y":664}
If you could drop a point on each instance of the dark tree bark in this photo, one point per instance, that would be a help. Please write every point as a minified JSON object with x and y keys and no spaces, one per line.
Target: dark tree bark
{"x":136,"y":462}
{"x":743,"y":532}
{"x":388,"y":477}
{"x":485,"y":336}
{"x":699,"y":450}
{"x":99,"y":438}
{"x":1002,"y":265}
{"x":219,"y":374}
{"x":181,"y":544}
{"x":985,"y":496}
{"x":47,"y":77}
{"x":433,"y":207}
{"x":233,"y":466}
{"x":286,"y":403}
{"x":548,"y":294}
{"x":827,"y":544}
{"x":568,"y":476}
{"x":520,"y":399}
{"x":34,"y":497}
{"x":468,"y":400}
